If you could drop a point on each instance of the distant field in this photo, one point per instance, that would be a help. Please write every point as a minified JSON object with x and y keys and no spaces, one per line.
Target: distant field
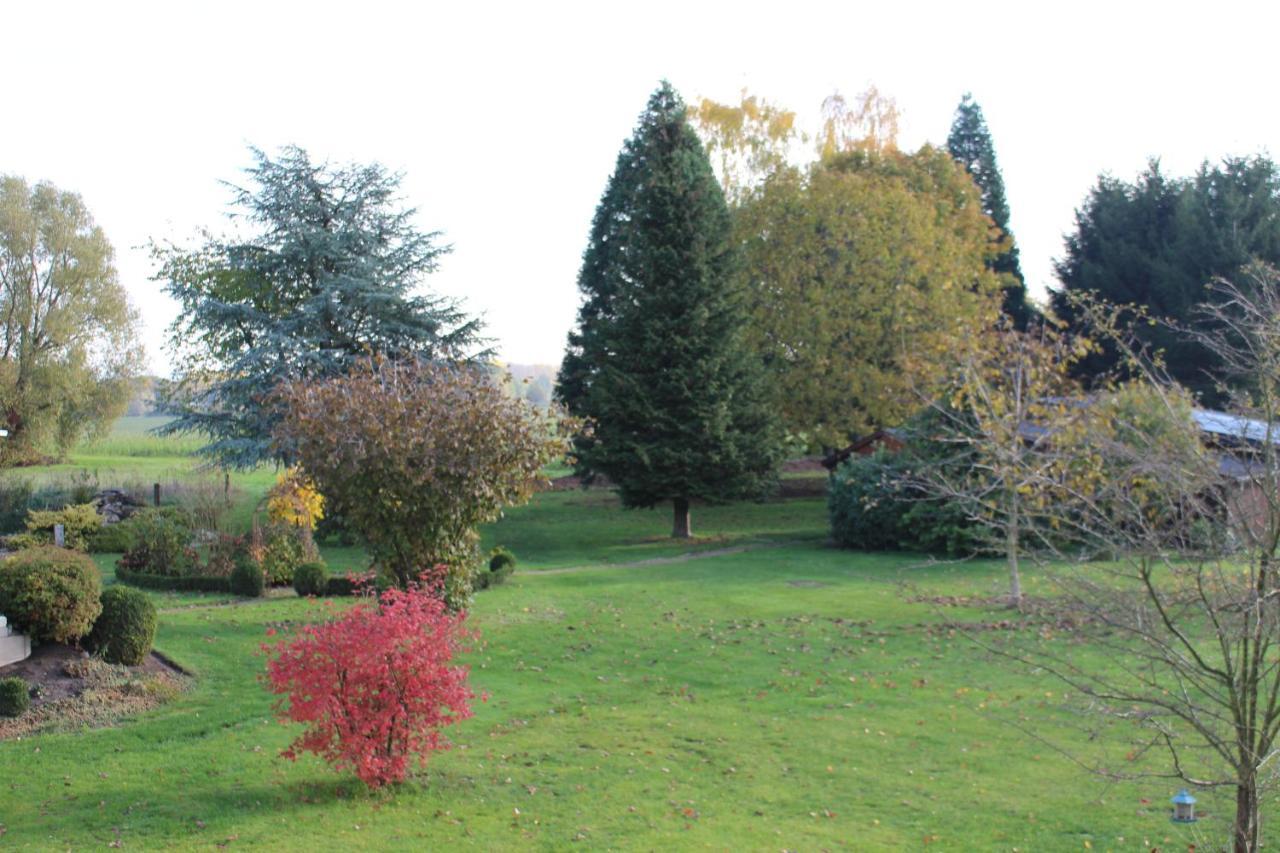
{"x":134,"y":437}
{"x":131,"y":457}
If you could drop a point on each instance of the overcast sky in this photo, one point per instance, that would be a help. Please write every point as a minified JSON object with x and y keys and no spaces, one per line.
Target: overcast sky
{"x":506,"y":119}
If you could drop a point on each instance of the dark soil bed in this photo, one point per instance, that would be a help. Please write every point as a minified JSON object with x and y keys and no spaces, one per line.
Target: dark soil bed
{"x":72,"y":689}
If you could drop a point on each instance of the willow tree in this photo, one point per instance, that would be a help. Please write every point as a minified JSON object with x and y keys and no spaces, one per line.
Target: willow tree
{"x":68,"y":334}
{"x":657,"y":361}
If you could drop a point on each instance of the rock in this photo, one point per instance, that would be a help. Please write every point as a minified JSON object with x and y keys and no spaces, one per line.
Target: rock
{"x":115,"y":505}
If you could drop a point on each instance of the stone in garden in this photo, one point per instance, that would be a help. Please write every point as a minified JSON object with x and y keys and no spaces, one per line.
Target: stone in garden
{"x":114,"y":505}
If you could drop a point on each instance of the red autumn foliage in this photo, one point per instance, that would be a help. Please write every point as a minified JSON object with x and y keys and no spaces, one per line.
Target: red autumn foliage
{"x":374,"y":686}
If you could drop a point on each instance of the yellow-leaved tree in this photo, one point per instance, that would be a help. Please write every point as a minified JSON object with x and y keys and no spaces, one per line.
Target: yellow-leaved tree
{"x":863,"y":269}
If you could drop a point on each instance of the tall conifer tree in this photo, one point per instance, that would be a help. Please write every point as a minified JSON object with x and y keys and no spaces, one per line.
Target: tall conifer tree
{"x":970,"y":144}
{"x":657,"y":361}
{"x":329,"y":275}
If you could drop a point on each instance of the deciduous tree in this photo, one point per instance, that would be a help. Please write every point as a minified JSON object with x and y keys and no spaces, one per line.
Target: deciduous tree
{"x":374,"y":686}
{"x":861,"y":270}
{"x":1174,"y":634}
{"x":414,"y":456}
{"x":68,"y":334}
{"x":862,"y":278}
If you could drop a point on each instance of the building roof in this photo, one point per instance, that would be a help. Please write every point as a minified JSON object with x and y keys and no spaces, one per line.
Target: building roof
{"x":1235,"y":427}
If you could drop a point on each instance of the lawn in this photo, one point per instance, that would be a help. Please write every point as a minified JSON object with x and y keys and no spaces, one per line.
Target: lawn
{"x":641,"y":695}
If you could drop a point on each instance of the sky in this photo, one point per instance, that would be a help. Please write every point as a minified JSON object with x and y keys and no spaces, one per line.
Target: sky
{"x":506,"y":119}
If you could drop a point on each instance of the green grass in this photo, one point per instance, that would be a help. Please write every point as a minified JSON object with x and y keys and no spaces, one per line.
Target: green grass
{"x":788,"y":696}
{"x":573,"y":528}
{"x":711,"y":702}
{"x":130,"y":457}
{"x":134,"y":438}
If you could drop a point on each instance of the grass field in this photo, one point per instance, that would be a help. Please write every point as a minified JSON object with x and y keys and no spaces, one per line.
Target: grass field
{"x":642,"y":696}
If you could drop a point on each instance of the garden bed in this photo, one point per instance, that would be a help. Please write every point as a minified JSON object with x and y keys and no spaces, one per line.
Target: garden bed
{"x":74,"y":690}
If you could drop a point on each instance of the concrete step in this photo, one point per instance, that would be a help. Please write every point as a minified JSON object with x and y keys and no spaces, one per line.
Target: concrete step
{"x":14,"y":648}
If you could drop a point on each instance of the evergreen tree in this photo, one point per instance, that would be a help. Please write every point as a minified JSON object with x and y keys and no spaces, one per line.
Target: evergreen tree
{"x":1158,"y":242}
{"x":330,"y":277}
{"x":970,"y":144}
{"x":657,"y":361}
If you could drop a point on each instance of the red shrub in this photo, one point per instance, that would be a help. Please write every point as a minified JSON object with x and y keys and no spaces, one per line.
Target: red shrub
{"x":374,"y":686}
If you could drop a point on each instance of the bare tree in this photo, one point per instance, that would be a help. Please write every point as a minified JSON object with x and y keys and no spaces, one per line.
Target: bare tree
{"x":1012,"y":399}
{"x":1178,"y":628}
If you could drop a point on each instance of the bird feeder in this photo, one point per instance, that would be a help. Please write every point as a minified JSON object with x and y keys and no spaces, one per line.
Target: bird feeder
{"x":1184,"y":807}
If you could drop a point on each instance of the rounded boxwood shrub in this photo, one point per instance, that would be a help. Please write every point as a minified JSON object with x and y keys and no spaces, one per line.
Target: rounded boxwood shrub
{"x":51,"y":594}
{"x":126,"y":628}
{"x":311,"y":578}
{"x":502,"y":564}
{"x":246,"y":577}
{"x":500,"y":559}
{"x":15,"y":697}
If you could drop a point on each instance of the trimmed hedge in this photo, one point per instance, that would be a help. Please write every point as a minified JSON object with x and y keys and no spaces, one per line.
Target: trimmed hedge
{"x":51,"y":594}
{"x":340,"y":585}
{"x":183,"y":583}
{"x":15,"y":697}
{"x":126,"y":629}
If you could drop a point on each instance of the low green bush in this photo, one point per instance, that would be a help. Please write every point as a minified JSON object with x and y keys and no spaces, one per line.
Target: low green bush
{"x":126,"y":628}
{"x":502,"y":564}
{"x":246,"y":578}
{"x":311,"y":578}
{"x":159,"y":543}
{"x":15,"y":697}
{"x":181,"y":583}
{"x":111,"y":538}
{"x":51,"y":594}
{"x":79,"y":522}
{"x":500,"y":559}
{"x":23,"y":541}
{"x":340,"y":585}
{"x":875,"y":504}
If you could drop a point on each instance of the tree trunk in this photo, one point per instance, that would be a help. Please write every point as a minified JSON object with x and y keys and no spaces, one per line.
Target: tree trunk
{"x":1011,"y":551}
{"x":680,"y":526}
{"x":1244,"y":834}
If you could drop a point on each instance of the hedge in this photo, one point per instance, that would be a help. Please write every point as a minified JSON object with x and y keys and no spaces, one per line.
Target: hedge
{"x":183,"y":583}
